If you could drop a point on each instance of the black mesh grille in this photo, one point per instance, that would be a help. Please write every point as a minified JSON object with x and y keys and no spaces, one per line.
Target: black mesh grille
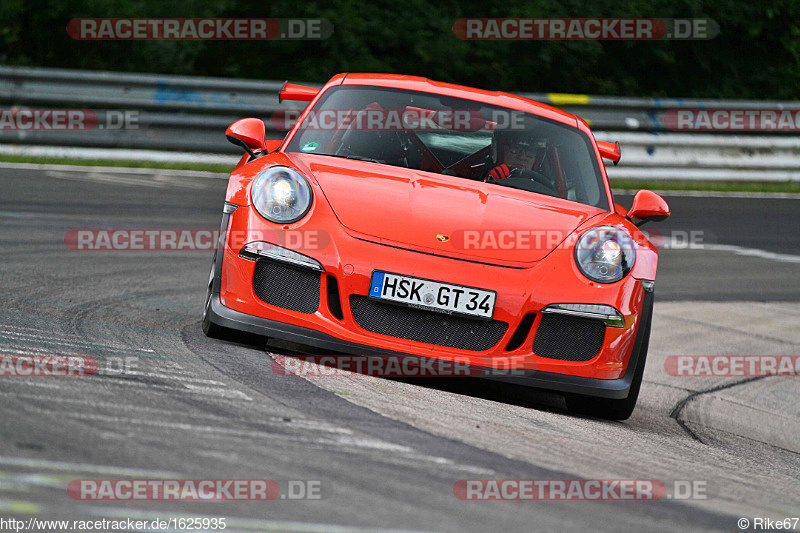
{"x":568,"y":338}
{"x":287,"y":286}
{"x":426,"y":326}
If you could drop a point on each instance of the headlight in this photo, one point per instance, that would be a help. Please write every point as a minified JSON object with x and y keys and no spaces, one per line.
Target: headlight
{"x":605,"y":254}
{"x":281,"y":195}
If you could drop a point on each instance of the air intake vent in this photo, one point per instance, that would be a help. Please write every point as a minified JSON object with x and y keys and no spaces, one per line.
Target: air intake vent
{"x":287,"y":286}
{"x":522,"y":332}
{"x":568,"y":338}
{"x":426,"y":326}
{"x":334,"y":303}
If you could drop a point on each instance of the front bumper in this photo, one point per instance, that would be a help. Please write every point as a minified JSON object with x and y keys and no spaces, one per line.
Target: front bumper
{"x":604,"y":388}
{"x":520,"y":292}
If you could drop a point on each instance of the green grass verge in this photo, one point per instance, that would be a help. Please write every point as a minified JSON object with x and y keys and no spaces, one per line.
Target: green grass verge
{"x":207,"y":167}
{"x":721,"y":186}
{"x":616,"y":184}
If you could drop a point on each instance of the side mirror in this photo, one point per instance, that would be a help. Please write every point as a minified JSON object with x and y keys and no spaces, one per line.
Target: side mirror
{"x":648,"y":207}
{"x":248,"y":133}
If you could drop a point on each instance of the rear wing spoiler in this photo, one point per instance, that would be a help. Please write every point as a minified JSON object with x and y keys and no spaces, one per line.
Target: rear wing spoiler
{"x":301,"y":93}
{"x":610,"y":151}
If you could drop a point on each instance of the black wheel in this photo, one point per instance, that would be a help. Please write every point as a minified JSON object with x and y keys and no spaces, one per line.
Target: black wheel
{"x":611,"y":409}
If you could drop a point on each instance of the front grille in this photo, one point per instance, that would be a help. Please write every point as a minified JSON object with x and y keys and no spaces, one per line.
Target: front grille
{"x":568,"y":338}
{"x":426,"y":326}
{"x":287,"y":286}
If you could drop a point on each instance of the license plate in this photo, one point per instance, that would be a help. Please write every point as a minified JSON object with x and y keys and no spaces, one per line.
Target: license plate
{"x":432,"y":295}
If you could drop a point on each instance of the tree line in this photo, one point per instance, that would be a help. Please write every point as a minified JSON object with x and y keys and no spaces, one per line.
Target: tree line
{"x":756,"y":54}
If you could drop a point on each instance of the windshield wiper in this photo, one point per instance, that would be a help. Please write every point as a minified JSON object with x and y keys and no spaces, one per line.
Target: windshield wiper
{"x":504,"y":184}
{"x":538,"y":190}
{"x":356,"y":157}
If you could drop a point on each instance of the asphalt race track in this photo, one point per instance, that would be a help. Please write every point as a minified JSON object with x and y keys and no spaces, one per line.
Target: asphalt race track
{"x":386,"y":452}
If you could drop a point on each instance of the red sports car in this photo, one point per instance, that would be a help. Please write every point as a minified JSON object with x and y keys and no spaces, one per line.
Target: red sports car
{"x":409,"y":217}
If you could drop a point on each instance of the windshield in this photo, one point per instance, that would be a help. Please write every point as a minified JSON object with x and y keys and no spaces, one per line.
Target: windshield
{"x":453,"y":136}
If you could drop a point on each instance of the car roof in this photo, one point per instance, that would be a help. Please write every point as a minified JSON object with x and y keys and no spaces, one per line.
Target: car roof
{"x":497,"y":98}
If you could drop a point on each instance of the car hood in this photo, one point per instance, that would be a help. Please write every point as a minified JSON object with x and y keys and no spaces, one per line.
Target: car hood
{"x":443,"y":215}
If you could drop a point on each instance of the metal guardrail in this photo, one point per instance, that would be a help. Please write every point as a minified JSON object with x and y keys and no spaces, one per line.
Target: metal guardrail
{"x":186,"y":113}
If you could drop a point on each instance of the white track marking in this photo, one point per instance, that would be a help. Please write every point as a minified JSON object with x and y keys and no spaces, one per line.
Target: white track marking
{"x":49,"y":383}
{"x":413,"y":460}
{"x":308,"y":425}
{"x":339,"y":436}
{"x":212,"y":391}
{"x":43,"y":338}
{"x":99,"y":178}
{"x":62,"y":466}
{"x":171,"y":181}
{"x":755,"y":252}
{"x":15,"y":349}
{"x":220,"y":394}
{"x":105,"y":372}
{"x":54,"y":401}
{"x":718,"y":194}
{"x":118,"y":170}
{"x":152,"y":180}
{"x":68,"y":337}
{"x":345,"y":436}
{"x":186,"y":379}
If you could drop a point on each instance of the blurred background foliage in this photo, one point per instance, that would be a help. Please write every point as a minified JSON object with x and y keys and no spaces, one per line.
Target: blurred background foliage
{"x":756,"y":55}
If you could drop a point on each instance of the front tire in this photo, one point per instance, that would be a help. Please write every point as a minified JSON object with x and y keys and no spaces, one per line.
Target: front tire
{"x":215,"y":331}
{"x":612,"y":409}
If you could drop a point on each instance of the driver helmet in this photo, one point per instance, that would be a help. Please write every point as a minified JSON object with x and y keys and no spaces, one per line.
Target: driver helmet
{"x":503,"y":137}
